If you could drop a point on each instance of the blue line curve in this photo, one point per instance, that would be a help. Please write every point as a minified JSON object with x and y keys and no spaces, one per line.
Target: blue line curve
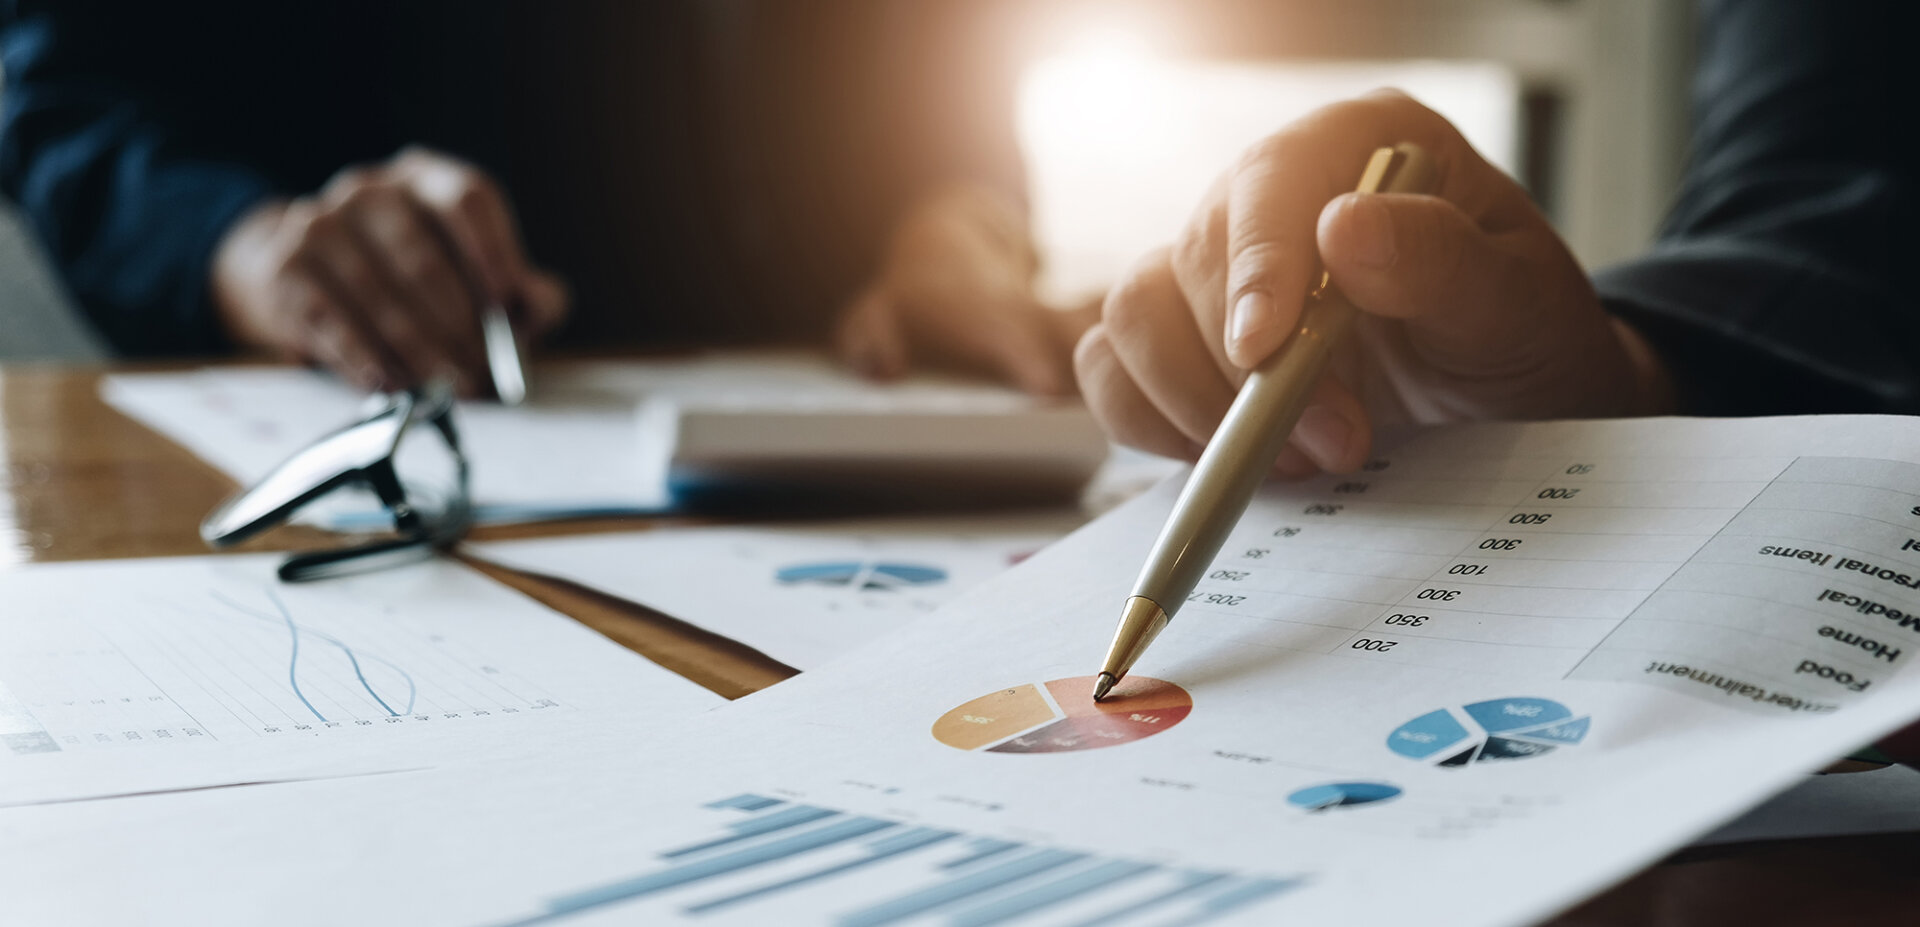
{"x":293,"y":659}
{"x":363,"y":679}
{"x":413,"y":689}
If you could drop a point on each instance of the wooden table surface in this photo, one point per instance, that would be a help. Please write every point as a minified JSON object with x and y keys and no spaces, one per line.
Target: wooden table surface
{"x":83,"y":482}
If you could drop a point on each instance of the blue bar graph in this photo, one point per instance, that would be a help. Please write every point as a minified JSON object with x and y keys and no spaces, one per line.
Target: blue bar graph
{"x":720,"y":865}
{"x":766,"y":824}
{"x":881,"y":850}
{"x":746,"y":802}
{"x":969,"y":881}
{"x":1192,"y":883}
{"x":1241,"y":894}
{"x":1040,"y":896}
{"x":984,"y":847}
{"x":1013,"y":870}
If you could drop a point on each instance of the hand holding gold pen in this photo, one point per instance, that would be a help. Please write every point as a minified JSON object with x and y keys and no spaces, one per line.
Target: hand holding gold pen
{"x":1475,"y":308}
{"x":1245,"y":446}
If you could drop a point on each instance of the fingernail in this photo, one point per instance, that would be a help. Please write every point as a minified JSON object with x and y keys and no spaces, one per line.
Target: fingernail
{"x":1252,"y":314}
{"x":1323,"y":434}
{"x":1373,"y":232}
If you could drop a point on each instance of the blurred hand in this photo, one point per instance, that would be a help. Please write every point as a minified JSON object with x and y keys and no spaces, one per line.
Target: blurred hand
{"x":381,"y":275}
{"x":1472,"y":306}
{"x":956,"y":289}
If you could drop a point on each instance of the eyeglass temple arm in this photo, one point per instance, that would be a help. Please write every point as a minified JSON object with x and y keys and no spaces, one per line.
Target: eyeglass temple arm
{"x":443,"y":423}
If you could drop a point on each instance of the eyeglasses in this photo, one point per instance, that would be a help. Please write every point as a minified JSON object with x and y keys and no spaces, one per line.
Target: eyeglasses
{"x":431,"y":506}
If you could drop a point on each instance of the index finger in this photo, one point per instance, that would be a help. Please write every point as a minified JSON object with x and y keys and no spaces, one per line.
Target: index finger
{"x":1278,"y":190}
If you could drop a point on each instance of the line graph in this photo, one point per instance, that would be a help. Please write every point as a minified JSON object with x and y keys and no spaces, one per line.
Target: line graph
{"x":294,"y":631}
{"x":240,"y":661}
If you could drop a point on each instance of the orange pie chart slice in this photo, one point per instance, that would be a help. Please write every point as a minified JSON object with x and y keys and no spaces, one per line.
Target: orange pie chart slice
{"x":1061,"y":716}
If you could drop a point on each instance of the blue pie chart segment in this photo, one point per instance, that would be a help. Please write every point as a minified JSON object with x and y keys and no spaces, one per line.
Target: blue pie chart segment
{"x":1342,"y":795}
{"x":862,"y":574}
{"x":1497,"y":729}
{"x":910,"y":574}
{"x":1427,"y":735}
{"x":1560,"y":732}
{"x":1504,"y":715}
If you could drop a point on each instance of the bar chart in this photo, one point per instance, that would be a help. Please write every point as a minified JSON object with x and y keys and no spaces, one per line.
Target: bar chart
{"x":777,"y":861}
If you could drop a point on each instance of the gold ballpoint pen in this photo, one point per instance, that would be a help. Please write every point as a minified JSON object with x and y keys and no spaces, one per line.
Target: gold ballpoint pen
{"x":504,"y":360}
{"x":1246,"y":444}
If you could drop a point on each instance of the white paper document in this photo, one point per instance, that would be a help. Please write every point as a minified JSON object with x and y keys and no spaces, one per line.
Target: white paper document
{"x":1878,"y":801}
{"x":571,"y":449}
{"x":124,"y":677}
{"x":1500,"y":668}
{"x":801,"y":594}
{"x":605,"y":437}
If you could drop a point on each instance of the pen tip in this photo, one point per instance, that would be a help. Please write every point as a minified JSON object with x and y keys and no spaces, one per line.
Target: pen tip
{"x":1103,"y":685}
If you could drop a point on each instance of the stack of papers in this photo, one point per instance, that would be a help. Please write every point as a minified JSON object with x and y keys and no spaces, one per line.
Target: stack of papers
{"x":615,"y":437}
{"x":1503,"y":667}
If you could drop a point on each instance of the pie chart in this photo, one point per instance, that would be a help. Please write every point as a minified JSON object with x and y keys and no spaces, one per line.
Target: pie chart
{"x":1342,"y":795}
{"x":861,"y":574}
{"x":1062,"y":717}
{"x":1496,"y":729}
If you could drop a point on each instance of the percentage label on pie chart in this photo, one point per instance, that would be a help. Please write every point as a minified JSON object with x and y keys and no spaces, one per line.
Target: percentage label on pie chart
{"x":1496,"y":729}
{"x":1061,"y":716}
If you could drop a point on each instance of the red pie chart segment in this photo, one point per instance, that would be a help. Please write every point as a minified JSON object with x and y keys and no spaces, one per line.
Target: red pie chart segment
{"x":1061,"y":716}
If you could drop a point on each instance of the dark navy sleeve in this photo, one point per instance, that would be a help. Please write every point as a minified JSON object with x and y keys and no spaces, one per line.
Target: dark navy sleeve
{"x":128,"y":213}
{"x":1772,"y":287}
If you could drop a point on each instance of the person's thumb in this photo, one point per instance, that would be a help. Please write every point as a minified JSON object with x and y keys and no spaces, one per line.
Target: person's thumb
{"x":1421,"y":259}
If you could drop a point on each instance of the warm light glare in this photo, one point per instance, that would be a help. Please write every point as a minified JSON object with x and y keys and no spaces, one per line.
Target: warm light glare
{"x":1112,"y":44}
{"x":1091,"y":98}
{"x":1121,"y":143}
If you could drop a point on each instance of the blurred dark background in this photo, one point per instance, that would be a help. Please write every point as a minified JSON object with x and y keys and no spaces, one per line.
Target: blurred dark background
{"x":1583,"y":100}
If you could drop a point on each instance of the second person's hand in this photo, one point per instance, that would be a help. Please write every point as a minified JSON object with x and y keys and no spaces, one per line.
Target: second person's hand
{"x":381,"y":274}
{"x":1473,"y":308}
{"x":955,"y":289}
